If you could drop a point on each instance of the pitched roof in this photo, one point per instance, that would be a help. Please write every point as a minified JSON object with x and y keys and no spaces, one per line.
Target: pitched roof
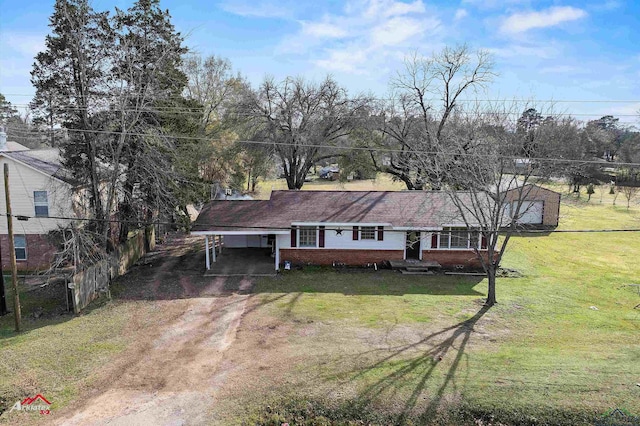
{"x":46,"y":161}
{"x":416,"y":209}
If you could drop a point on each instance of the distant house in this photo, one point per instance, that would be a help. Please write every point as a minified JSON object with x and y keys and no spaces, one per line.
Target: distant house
{"x":329,"y":173}
{"x":351,"y":227}
{"x":40,"y":188}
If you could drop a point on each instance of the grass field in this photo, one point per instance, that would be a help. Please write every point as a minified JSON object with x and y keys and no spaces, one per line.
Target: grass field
{"x":561,"y":346}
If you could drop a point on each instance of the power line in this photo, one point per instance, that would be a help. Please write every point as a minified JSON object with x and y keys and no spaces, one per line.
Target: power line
{"x":376,"y":149}
{"x":193,"y":110}
{"x":527,"y":101}
{"x":281,"y":228}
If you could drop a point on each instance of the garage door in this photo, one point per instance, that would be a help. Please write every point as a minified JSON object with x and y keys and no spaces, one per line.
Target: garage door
{"x":530,"y":212}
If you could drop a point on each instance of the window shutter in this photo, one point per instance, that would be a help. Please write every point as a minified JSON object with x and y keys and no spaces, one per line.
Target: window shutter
{"x":355,"y":233}
{"x":434,"y":240}
{"x":483,"y":242}
{"x":294,"y":237}
{"x":380,"y":233}
{"x":321,"y":236}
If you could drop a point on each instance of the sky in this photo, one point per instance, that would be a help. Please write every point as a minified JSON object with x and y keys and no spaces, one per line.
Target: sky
{"x":560,"y":50}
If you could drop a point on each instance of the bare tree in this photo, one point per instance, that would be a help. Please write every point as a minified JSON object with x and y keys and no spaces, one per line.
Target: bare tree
{"x":630,"y":193}
{"x":300,"y":118}
{"x":77,"y":248}
{"x":213,"y":85}
{"x":482,"y":180}
{"x":425,"y":98}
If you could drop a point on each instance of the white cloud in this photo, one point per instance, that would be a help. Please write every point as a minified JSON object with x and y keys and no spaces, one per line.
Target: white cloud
{"x":494,"y":4}
{"x":461,"y":14}
{"x":349,"y":60}
{"x":257,"y":9}
{"x":363,"y":35}
{"x":23,"y":43}
{"x":395,"y":31}
{"x":561,"y":69}
{"x":546,"y":51}
{"x":389,"y":8}
{"x":627,"y":109}
{"x":521,"y":22}
{"x":323,"y":30}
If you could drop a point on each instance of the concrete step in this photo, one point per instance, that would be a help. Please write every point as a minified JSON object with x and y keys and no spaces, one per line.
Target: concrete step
{"x":417,"y":268}
{"x":405,"y":272}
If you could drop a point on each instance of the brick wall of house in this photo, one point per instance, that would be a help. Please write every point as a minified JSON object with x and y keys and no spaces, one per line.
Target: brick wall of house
{"x":465,"y":259}
{"x":348,"y":257}
{"x":39,"y":253}
{"x":453,"y":258}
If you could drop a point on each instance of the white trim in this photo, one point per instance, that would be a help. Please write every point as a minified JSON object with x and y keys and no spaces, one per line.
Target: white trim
{"x":420,"y":238}
{"x":330,"y":224}
{"x":417,"y":228}
{"x":264,"y":232}
{"x":470,"y":234}
{"x":298,"y":237}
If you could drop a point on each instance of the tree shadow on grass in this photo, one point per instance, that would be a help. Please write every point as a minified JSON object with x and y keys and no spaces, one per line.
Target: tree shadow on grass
{"x":450,"y":341}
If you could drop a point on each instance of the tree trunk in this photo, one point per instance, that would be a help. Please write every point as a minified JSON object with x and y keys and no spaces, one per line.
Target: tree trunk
{"x":491,"y":291}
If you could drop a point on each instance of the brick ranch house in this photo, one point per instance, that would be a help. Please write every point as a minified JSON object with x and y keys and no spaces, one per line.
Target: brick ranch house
{"x":356,"y":227}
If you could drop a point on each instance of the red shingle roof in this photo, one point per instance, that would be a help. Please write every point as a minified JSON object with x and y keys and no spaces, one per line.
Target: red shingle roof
{"x":399,"y":208}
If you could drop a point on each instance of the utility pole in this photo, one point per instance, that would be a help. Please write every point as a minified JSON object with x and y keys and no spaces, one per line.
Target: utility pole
{"x":12,"y":251}
{"x":3,"y":296}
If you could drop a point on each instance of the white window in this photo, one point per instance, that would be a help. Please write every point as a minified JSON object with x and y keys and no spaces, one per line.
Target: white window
{"x":20,"y":246}
{"x":368,"y":233}
{"x":307,"y":236}
{"x":41,"y":202}
{"x":455,"y":238}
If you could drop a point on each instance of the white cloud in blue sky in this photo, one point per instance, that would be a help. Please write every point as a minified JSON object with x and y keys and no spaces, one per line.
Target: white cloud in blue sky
{"x":544,"y":49}
{"x":525,"y":21}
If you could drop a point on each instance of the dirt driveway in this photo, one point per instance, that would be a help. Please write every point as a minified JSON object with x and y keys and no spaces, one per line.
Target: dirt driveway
{"x":171,"y":374}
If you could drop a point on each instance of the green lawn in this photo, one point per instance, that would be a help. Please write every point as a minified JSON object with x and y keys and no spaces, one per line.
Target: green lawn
{"x":561,"y":346}
{"x":392,"y":348}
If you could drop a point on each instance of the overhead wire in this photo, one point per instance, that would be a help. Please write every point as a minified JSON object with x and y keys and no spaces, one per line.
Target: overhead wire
{"x":282,"y":228}
{"x":373,"y":149}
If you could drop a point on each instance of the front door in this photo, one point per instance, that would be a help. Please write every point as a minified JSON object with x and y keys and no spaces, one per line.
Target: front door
{"x":412,"y":250}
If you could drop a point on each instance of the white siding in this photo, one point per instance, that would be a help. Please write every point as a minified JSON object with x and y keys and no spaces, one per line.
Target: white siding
{"x":393,"y":240}
{"x":23,"y":180}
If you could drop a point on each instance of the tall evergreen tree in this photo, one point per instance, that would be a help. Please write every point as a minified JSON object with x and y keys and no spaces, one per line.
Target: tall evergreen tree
{"x":69,"y":77}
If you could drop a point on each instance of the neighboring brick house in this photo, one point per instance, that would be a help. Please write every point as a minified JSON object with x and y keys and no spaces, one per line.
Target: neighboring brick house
{"x":40,"y":188}
{"x":346,"y":227}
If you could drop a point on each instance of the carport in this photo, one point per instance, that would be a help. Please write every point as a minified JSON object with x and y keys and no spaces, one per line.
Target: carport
{"x":240,"y":252}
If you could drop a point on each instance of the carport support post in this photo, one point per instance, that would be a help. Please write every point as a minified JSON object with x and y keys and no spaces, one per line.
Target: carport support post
{"x":277,"y":256}
{"x":206,"y":256}
{"x":213,"y":248}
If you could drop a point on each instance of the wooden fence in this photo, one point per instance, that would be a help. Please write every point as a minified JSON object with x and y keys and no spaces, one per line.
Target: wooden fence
{"x":88,"y":284}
